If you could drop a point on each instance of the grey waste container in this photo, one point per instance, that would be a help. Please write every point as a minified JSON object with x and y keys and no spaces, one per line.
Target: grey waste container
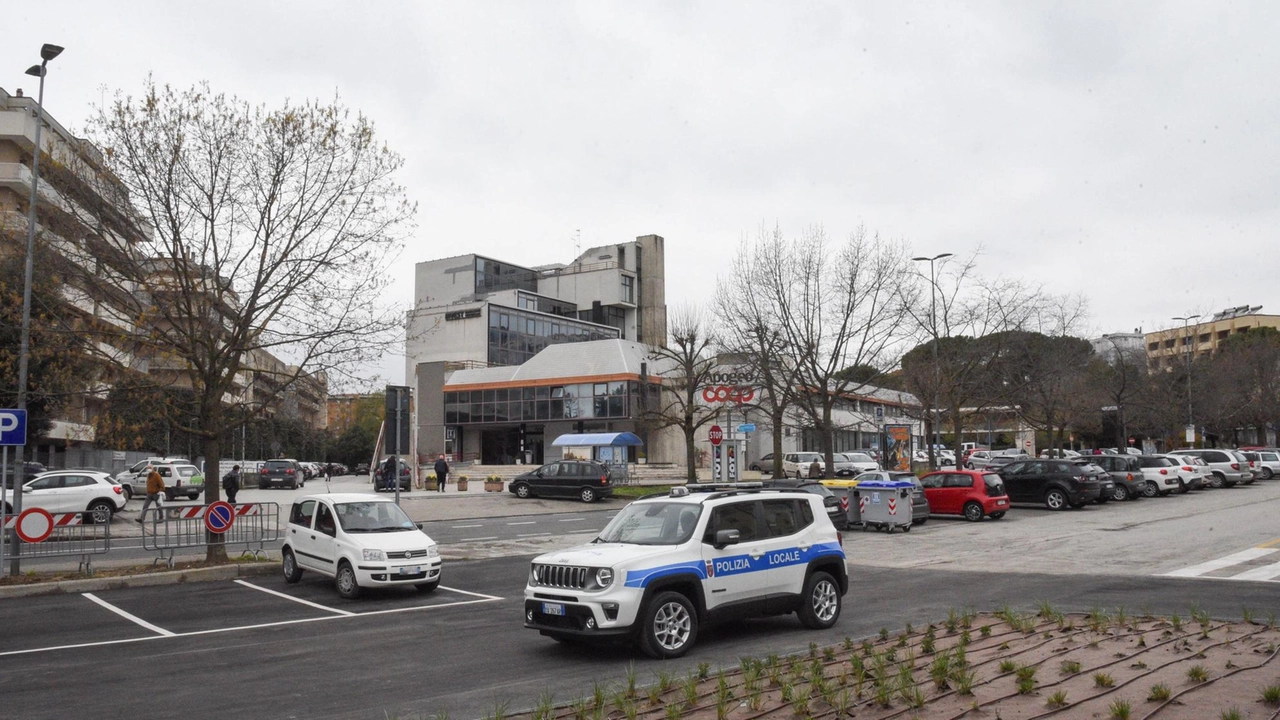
{"x":884,"y":504}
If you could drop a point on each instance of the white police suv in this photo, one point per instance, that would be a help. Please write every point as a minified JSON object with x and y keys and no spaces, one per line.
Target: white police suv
{"x":667,"y":563}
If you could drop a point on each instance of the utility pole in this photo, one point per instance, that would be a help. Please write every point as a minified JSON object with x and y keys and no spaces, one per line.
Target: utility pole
{"x":937,"y":367}
{"x":1186,"y":342}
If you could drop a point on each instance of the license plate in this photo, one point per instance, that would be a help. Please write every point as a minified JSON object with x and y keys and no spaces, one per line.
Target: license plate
{"x":411,"y":570}
{"x":552,"y":609}
{"x":999,"y":502}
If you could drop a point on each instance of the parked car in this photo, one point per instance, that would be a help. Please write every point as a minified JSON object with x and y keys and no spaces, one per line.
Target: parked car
{"x":1225,"y":468}
{"x":1000,"y":458}
{"x":970,"y":449}
{"x":1056,"y":483}
{"x":1059,"y":453}
{"x":586,"y":480}
{"x":181,"y":478}
{"x":1125,"y":472}
{"x":381,"y":482}
{"x":764,"y":464}
{"x":362,"y":469}
{"x":977,"y":459}
{"x":1268,"y":462}
{"x":281,"y":472}
{"x":1191,"y":472}
{"x":919,"y":503}
{"x":854,"y":463}
{"x":134,"y":480}
{"x":971,"y":493}
{"x":798,"y":464}
{"x":93,"y":492}
{"x":360,"y":541}
{"x":839,"y":518}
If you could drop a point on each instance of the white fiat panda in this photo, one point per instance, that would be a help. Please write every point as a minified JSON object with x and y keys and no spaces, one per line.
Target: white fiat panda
{"x":359,"y":540}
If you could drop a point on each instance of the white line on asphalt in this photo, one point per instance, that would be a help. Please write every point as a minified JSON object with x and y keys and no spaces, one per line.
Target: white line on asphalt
{"x":495,"y":537}
{"x":1266,"y":572}
{"x":217,"y":631}
{"x":532,"y":534}
{"x":455,"y":527}
{"x":1222,"y":562}
{"x":308,"y":603}
{"x":527,"y":522}
{"x":128,"y":616}
{"x":573,"y":520}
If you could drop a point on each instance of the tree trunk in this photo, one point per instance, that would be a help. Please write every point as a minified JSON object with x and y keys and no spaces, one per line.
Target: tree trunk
{"x":778,"y":418}
{"x":216,"y":550}
{"x":958,"y":439}
{"x":690,"y":455}
{"x":828,"y":443}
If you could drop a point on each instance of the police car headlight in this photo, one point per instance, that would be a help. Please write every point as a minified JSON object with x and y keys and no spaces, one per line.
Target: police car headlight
{"x":604,"y":577}
{"x":374,"y":555}
{"x":433,"y":551}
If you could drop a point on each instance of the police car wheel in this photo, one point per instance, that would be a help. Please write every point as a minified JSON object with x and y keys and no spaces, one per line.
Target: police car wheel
{"x":820,"y":608}
{"x":670,"y":626}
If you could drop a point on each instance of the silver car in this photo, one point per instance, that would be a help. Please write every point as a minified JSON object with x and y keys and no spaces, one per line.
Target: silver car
{"x":1226,"y":467}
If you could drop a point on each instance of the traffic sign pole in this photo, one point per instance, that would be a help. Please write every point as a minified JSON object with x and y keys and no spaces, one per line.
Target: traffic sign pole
{"x":4,"y":502}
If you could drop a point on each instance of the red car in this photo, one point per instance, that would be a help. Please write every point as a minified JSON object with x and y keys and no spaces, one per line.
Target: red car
{"x":971,"y":493}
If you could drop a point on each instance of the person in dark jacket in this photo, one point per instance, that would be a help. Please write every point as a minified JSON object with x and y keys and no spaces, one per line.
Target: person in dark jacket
{"x":442,"y":473}
{"x":231,"y":483}
{"x":391,"y":474}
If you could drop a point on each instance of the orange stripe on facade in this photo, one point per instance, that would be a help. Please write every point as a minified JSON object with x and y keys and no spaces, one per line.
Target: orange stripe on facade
{"x":542,"y":382}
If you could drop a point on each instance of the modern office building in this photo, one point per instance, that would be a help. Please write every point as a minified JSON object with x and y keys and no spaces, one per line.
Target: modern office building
{"x":1113,"y":346}
{"x":473,"y":314}
{"x":1202,"y":336}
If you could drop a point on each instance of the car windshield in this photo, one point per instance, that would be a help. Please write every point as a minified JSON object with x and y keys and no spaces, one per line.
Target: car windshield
{"x":654,"y":523}
{"x":859,"y":457}
{"x":371,"y":517}
{"x":995,"y":485}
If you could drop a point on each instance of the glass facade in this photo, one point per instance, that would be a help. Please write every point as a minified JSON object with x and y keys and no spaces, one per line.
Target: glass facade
{"x":585,"y":401}
{"x":628,"y":289}
{"x":546,"y":305}
{"x":517,"y":335}
{"x":492,"y":276}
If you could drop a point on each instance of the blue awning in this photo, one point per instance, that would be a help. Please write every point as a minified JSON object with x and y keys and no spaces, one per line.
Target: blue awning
{"x":623,"y":439}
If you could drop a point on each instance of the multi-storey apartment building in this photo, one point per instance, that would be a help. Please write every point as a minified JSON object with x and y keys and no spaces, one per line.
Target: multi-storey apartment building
{"x":1201,"y":337}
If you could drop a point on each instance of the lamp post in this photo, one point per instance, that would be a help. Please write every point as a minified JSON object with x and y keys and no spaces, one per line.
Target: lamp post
{"x":47,"y":53}
{"x":1187,"y":342}
{"x":937,"y":369}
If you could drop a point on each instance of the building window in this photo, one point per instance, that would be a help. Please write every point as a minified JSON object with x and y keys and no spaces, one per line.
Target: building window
{"x":516,"y":335}
{"x":628,"y":289}
{"x":492,"y":276}
{"x":583,"y":401}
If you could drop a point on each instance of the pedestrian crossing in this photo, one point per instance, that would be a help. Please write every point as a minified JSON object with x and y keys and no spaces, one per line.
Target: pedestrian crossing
{"x":1261,"y":563}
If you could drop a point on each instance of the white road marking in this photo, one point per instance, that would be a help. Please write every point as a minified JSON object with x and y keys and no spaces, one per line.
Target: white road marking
{"x":573,"y":520}
{"x":128,"y":616}
{"x":494,"y":537}
{"x":1243,"y":556}
{"x":532,"y":535}
{"x":281,"y":623}
{"x":527,"y":522}
{"x":1266,"y":572}
{"x":455,"y":527}
{"x":308,"y":603}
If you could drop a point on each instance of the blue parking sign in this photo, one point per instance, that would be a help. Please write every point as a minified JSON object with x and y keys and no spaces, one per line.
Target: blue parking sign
{"x":13,"y":427}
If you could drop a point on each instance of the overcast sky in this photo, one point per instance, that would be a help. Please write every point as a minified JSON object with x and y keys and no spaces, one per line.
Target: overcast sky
{"x":1129,"y":151}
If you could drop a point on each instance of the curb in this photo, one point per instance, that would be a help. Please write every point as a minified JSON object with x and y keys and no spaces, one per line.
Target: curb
{"x":170,"y":577}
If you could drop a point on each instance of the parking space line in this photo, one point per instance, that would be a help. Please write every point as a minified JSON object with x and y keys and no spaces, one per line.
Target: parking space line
{"x":527,"y":522}
{"x":495,"y":537}
{"x":455,"y":527}
{"x":573,"y":519}
{"x":532,"y":534}
{"x":127,"y":616}
{"x":308,"y":603}
{"x":216,"y":631}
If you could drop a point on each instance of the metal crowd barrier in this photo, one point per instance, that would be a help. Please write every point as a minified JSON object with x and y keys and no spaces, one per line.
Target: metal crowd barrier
{"x":175,"y":528}
{"x":70,"y":536}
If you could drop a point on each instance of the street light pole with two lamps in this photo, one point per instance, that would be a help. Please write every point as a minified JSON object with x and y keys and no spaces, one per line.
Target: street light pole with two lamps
{"x":937,"y":368}
{"x":1186,"y":341}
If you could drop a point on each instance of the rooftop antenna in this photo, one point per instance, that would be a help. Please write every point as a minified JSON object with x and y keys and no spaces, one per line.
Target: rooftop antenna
{"x":577,"y":244}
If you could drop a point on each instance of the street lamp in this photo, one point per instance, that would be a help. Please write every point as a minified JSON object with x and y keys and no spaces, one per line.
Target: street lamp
{"x":47,"y":53}
{"x":1187,"y":341}
{"x":937,"y":369}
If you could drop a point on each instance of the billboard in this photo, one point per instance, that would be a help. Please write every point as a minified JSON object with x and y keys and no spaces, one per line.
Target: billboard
{"x":897,"y":445}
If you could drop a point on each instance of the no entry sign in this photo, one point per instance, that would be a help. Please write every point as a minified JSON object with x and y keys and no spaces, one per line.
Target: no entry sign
{"x":219,"y":516}
{"x":715,"y":434}
{"x":34,"y":525}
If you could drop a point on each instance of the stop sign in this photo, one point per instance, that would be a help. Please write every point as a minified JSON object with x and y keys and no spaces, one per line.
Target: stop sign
{"x":715,"y":434}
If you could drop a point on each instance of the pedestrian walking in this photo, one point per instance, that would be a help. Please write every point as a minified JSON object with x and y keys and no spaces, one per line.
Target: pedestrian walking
{"x":155,"y":486}
{"x":231,"y":483}
{"x":442,"y":473}
{"x":815,"y":470}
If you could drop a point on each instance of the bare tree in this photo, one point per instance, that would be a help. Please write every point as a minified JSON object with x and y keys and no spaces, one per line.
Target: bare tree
{"x":685,"y":366}
{"x":750,"y":329}
{"x":835,"y":305}
{"x":271,"y":230}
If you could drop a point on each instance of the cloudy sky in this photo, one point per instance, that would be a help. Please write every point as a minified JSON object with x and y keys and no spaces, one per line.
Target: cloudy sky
{"x":1128,"y":151}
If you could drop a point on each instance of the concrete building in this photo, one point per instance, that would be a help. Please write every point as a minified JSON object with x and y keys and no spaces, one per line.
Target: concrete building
{"x":1165,"y":348}
{"x":473,"y":314}
{"x":1112,"y":346}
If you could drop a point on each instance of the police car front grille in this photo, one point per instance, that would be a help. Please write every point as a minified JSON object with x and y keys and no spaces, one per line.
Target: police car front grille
{"x":561,"y":576}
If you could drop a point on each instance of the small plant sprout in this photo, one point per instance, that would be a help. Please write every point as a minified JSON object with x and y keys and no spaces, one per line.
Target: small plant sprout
{"x":964,"y":681}
{"x":1069,"y":667}
{"x":545,"y":709}
{"x":704,"y":671}
{"x":884,"y":633}
{"x":1271,"y":695}
{"x":1120,"y":710}
{"x":985,"y":631}
{"x":1232,"y":714}
{"x":1197,"y":674}
{"x":1008,"y":666}
{"x":953,"y":620}
{"x":1057,"y":700}
{"x":1045,"y":610}
{"x":1176,"y":622}
{"x":1159,"y":693}
{"x":1027,"y":686}
{"x":1103,"y":680}
{"x":499,"y":711}
{"x":1247,"y":615}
